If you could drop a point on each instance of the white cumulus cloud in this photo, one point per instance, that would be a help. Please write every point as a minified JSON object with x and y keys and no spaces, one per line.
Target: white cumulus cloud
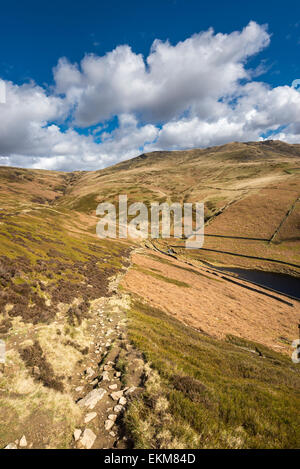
{"x":196,"y":93}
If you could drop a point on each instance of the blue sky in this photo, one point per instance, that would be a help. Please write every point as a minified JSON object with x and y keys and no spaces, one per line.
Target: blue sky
{"x":77,"y":129}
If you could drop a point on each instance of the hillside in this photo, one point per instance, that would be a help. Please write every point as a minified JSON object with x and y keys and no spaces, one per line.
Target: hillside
{"x":175,"y":353}
{"x":247,"y":188}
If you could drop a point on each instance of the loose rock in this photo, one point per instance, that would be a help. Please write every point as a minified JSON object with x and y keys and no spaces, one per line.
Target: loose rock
{"x":11,"y":446}
{"x":91,"y":399}
{"x":23,"y":442}
{"x":88,"y":438}
{"x":77,"y":434}
{"x":89,"y":372}
{"x":118,"y":408}
{"x":105,"y":376}
{"x":90,"y":417}
{"x":109,"y":424}
{"x":116,"y":395}
{"x":130,"y":390}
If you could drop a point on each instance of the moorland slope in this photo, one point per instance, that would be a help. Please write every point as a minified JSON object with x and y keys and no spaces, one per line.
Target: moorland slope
{"x":175,"y":354}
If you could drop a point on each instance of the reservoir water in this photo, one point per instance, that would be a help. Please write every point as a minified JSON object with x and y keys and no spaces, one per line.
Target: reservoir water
{"x":282,"y":283}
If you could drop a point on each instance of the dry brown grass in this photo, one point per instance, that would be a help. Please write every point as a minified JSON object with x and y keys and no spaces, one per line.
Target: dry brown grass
{"x":207,"y":393}
{"x":211,"y":304}
{"x":52,"y":266}
{"x":256,"y":216}
{"x":290,"y":230}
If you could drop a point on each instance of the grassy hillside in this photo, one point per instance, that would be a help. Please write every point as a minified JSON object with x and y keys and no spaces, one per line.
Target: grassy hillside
{"x":205,"y":393}
{"x":247,"y":188}
{"x":51,"y":271}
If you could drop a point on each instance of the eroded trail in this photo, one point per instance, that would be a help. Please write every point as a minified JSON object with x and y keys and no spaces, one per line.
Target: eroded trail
{"x":111,"y":377}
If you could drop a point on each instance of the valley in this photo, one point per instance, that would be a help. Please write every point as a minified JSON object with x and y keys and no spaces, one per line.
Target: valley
{"x":119,"y":343}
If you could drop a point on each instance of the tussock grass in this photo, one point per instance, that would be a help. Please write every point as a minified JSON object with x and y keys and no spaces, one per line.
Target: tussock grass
{"x":218,"y":394}
{"x":122,"y":366}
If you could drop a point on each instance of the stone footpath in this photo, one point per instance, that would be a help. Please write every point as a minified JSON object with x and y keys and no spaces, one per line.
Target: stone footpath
{"x":112,"y":378}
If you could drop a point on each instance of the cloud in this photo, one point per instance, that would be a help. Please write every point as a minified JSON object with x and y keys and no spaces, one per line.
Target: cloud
{"x":173,"y":79}
{"x":258,"y":109}
{"x":45,"y":146}
{"x":196,"y":93}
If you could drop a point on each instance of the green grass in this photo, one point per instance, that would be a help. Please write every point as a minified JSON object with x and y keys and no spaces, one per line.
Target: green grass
{"x":86,"y":204}
{"x":42,"y":259}
{"x":122,"y":365}
{"x":292,"y":170}
{"x":219,"y":395}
